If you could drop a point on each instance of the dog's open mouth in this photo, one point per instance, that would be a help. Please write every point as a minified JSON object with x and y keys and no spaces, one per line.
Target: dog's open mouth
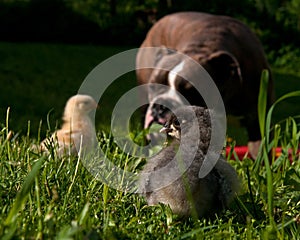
{"x":154,"y":116}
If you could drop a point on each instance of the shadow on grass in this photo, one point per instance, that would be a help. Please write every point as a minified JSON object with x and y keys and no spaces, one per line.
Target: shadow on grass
{"x":37,"y":78}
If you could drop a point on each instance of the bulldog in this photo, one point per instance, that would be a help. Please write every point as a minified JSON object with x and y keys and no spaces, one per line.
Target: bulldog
{"x":225,"y":47}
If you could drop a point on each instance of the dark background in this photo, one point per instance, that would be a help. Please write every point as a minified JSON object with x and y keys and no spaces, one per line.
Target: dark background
{"x":277,"y":22}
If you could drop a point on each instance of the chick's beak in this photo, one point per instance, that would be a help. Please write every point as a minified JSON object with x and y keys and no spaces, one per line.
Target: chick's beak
{"x":165,"y":129}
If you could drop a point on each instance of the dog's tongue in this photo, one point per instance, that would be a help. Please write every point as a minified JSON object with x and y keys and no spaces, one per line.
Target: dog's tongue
{"x":149,"y":119}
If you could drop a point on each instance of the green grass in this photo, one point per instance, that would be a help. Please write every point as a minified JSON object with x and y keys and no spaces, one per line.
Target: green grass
{"x":49,"y":197}
{"x":46,"y":197}
{"x":38,"y":78}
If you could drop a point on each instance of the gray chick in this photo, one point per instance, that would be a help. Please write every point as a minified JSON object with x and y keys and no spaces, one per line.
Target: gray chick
{"x":171,"y":176}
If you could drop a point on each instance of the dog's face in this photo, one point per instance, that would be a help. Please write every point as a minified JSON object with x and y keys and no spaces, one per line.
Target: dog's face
{"x":168,"y":90}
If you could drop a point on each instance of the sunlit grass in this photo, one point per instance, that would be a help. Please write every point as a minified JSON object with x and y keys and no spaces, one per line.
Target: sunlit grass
{"x":49,"y":197}
{"x":38,"y":78}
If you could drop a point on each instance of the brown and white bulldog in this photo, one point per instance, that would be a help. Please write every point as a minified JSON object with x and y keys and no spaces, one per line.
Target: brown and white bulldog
{"x":228,"y":51}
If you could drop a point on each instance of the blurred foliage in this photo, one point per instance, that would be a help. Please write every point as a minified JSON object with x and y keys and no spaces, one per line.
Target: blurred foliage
{"x":287,"y":59}
{"x":277,"y":22}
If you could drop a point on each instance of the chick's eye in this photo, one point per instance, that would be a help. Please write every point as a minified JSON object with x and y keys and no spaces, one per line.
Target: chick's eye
{"x":176,"y":123}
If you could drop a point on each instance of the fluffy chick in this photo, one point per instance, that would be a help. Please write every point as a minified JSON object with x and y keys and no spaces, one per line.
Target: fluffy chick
{"x":188,"y":194}
{"x":77,"y":133}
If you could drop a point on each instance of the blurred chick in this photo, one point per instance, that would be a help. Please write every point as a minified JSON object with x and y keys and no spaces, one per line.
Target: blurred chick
{"x":188,"y":194}
{"x":77,"y":133}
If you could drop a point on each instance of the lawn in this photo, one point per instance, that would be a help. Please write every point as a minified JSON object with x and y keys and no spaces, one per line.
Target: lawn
{"x":45,"y":197}
{"x":37,"y":79}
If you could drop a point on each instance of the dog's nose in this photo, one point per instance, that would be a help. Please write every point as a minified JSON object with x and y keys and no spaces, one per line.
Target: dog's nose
{"x":159,"y":111}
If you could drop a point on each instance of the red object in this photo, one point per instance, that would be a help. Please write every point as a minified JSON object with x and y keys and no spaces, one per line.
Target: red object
{"x":242,"y":152}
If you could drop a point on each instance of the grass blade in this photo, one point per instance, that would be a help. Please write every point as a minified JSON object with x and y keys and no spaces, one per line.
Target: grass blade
{"x":23,"y":194}
{"x":265,"y":127}
{"x":270,"y":112}
{"x":262,"y":101}
{"x":84,"y":214}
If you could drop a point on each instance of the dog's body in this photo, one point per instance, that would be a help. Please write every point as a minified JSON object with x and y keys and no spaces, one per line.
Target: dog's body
{"x":225,"y":47}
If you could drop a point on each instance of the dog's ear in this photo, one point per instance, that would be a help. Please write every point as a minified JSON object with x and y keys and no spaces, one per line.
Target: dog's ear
{"x":225,"y":66}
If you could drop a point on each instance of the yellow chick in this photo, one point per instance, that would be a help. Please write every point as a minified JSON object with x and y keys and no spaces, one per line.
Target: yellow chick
{"x":77,"y":133}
